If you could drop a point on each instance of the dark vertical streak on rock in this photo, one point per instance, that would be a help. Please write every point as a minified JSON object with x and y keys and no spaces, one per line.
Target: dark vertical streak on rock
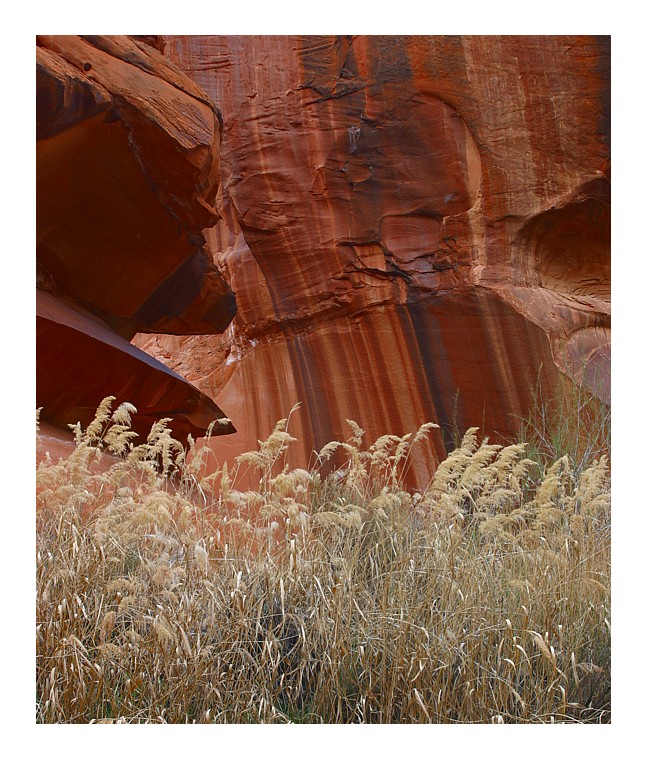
{"x":429,"y":342}
{"x":603,"y":68}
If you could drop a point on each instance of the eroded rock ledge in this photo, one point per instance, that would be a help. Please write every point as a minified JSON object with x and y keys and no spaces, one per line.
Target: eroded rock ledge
{"x":128,"y":167}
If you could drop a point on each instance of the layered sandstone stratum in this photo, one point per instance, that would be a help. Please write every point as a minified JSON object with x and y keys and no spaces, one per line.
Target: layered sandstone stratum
{"x":415,"y":228}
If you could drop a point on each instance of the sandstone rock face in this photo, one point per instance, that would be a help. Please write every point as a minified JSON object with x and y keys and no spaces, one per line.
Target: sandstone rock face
{"x":127,"y":173}
{"x":416,"y":229}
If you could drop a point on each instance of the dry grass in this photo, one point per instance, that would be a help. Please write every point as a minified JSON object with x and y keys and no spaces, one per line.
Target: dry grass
{"x":346,"y":599}
{"x":572,"y":422}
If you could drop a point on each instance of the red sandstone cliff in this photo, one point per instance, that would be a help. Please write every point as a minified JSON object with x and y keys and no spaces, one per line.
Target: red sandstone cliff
{"x":415,"y":228}
{"x":127,"y":173}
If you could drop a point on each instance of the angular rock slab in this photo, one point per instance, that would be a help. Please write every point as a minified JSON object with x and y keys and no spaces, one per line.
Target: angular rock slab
{"x":127,"y":173}
{"x":79,"y":357}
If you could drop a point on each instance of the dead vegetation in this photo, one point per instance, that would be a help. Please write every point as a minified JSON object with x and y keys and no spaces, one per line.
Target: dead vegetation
{"x":346,"y":599}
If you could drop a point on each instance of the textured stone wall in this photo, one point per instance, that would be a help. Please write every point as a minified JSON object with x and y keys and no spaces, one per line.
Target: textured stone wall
{"x":415,"y":229}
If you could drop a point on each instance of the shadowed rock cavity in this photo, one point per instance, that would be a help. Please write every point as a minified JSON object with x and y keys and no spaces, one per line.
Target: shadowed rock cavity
{"x":570,"y":248}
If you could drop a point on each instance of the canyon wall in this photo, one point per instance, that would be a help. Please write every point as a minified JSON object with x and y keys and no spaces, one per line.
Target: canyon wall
{"x":415,"y":229}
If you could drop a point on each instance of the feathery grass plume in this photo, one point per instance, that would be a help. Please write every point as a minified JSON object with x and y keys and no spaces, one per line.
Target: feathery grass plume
{"x":592,"y":495}
{"x":469,"y":442}
{"x":118,"y":438}
{"x":554,"y":485}
{"x":326,"y":452}
{"x":164,"y":631}
{"x":277,"y":442}
{"x":507,"y":460}
{"x":193,"y":463}
{"x":357,"y":438}
{"x":94,"y":431}
{"x":379,"y":451}
{"x":498,"y":501}
{"x":161,"y":444}
{"x":424,"y":430}
{"x":477,"y":473}
{"x":356,"y":470}
{"x":449,"y":471}
{"x":271,"y":450}
{"x":122,"y":415}
{"x":386,"y":461}
{"x":78,"y":432}
{"x":400,"y":452}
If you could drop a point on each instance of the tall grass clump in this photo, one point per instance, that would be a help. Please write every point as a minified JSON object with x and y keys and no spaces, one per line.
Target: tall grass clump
{"x":572,"y":421}
{"x":168,"y":595}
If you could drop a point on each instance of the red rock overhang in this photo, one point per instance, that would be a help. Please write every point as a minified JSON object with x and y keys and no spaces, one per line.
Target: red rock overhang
{"x":80,"y":360}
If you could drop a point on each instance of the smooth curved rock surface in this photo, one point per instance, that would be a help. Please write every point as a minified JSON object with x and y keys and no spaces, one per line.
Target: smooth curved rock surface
{"x":415,"y":229}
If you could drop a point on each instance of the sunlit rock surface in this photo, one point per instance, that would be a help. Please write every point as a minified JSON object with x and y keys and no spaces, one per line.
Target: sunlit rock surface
{"x":415,"y":228}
